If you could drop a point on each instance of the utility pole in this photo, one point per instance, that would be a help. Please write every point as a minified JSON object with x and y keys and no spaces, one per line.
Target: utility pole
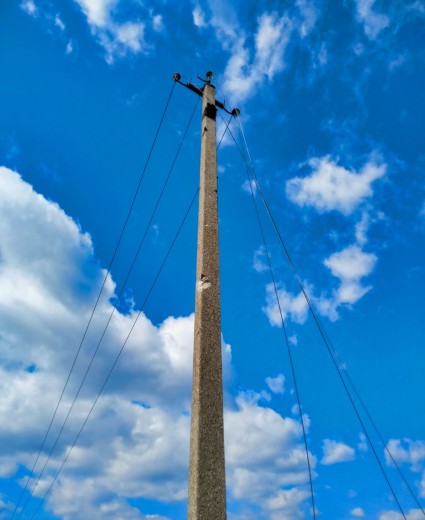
{"x":207,"y":475}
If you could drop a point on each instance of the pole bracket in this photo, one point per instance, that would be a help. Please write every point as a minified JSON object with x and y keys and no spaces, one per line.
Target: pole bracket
{"x":200,"y":91}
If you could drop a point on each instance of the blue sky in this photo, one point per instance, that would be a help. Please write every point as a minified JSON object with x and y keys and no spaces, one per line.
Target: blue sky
{"x":331,"y":99}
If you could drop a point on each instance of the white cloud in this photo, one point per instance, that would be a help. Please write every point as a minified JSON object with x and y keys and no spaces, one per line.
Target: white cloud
{"x":276,"y":384}
{"x":69,"y":47}
{"x":199,"y":17}
{"x":251,"y":65}
{"x":130,"y":35}
{"x":309,"y":13}
{"x":48,"y":283}
{"x":267,"y":462}
{"x":335,"y":452}
{"x":362,"y":445}
{"x":396,"y":62}
{"x":293,"y":307}
{"x":29,"y":7}
{"x":118,"y":38}
{"x":407,"y":451}
{"x":158,"y":23}
{"x":98,"y":12}
{"x":285,"y":505}
{"x":357,"y":512}
{"x":244,"y":75}
{"x":59,"y":23}
{"x":322,"y":55}
{"x":223,"y":135}
{"x":333,"y":187}
{"x":361,"y":229}
{"x":293,"y":340}
{"x":247,"y":185}
{"x":373,"y":22}
{"x":413,"y":514}
{"x":349,"y":265}
{"x":260,"y":259}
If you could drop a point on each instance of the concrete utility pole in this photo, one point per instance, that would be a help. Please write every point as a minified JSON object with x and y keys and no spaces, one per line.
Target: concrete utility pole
{"x":207,"y":476}
{"x":207,"y":479}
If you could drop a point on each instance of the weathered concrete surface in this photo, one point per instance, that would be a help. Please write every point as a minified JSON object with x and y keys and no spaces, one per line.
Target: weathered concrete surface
{"x":207,"y":482}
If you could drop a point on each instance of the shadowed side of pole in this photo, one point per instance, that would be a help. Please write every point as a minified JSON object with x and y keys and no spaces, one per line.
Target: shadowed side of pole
{"x":207,"y":482}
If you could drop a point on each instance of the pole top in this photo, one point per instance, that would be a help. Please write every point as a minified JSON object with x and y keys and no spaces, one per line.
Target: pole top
{"x":209,"y":75}
{"x":199,"y":90}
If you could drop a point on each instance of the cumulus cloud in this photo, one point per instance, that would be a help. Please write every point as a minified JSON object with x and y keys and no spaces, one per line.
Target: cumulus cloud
{"x":29,"y":7}
{"x":276,"y":384}
{"x":413,"y":514}
{"x":407,"y":451}
{"x":349,"y":266}
{"x":199,"y":18}
{"x":249,"y":185}
{"x":335,"y":452}
{"x":333,"y":187}
{"x":357,"y":512}
{"x":119,"y":38}
{"x":243,"y":74}
{"x":267,"y":462}
{"x":259,"y":262}
{"x":373,"y":22}
{"x":98,"y":12}
{"x":49,"y":280}
{"x":292,"y":306}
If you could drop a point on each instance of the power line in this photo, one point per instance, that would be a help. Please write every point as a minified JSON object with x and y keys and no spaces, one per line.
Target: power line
{"x":340,"y":365}
{"x":285,"y":333}
{"x":97,"y":301}
{"x":132,"y":328}
{"x":225,"y":130}
{"x":315,"y":318}
{"x":119,"y":354}
{"x":114,"y":308}
{"x":377,"y":431}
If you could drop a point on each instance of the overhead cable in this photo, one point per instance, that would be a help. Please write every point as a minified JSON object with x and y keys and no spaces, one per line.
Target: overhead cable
{"x":131,"y":330}
{"x":114,"y":308}
{"x":285,"y":333}
{"x":118,"y":355}
{"x":316,"y":319}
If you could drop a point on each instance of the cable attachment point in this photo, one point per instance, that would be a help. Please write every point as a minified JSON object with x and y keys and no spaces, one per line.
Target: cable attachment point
{"x":209,"y":76}
{"x":236,"y":112}
{"x":177,"y":76}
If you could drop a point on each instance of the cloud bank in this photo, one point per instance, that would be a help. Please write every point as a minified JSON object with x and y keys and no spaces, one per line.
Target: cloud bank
{"x":49,"y":279}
